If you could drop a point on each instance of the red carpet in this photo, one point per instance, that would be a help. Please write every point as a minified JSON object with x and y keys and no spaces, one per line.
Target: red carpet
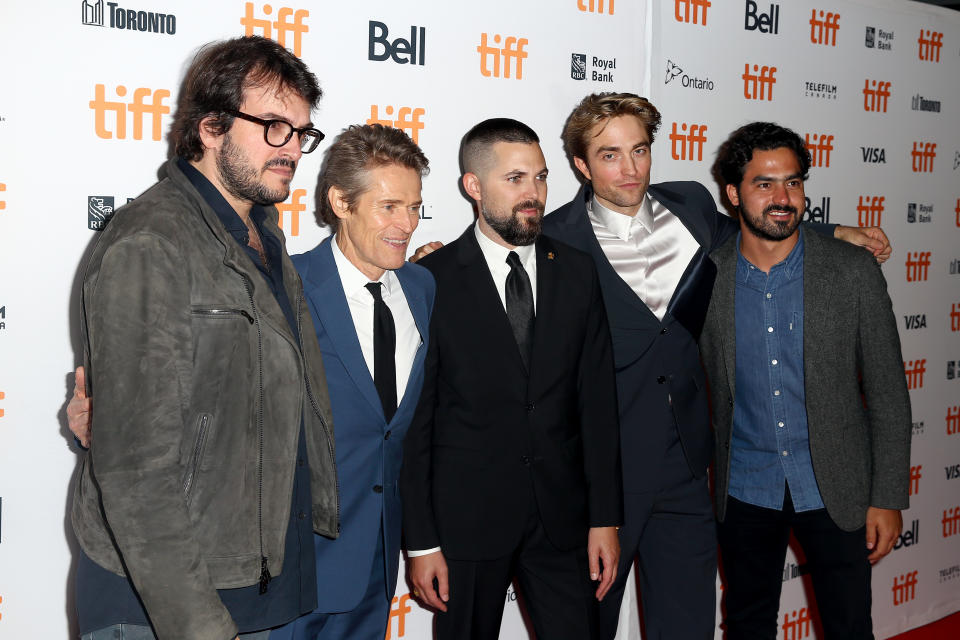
{"x":942,"y":629}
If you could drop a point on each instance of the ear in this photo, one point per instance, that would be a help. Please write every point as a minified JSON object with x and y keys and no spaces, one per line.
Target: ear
{"x":338,"y":202}
{"x":471,"y":184}
{"x":208,"y":136}
{"x":733,"y":194}
{"x":581,"y":165}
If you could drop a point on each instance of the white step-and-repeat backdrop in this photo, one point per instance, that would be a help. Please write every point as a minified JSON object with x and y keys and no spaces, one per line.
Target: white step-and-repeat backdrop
{"x":88,"y":91}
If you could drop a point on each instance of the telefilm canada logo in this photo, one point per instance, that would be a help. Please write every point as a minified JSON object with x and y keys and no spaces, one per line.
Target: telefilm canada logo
{"x":879,"y":39}
{"x":674,"y":71}
{"x":114,"y":16}
{"x":821,"y":90}
{"x":597,"y":69}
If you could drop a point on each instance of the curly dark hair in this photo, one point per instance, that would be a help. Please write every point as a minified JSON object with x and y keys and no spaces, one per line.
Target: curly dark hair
{"x":217,"y":79}
{"x":737,"y":151}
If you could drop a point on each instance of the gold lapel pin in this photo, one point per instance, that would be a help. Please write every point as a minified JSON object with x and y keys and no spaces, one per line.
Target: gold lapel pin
{"x":549,"y":255}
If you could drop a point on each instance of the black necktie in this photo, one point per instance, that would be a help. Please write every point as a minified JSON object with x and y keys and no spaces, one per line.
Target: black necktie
{"x":384,"y":349}
{"x":519,"y":296}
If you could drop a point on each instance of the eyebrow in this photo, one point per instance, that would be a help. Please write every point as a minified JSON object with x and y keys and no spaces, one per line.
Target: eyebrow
{"x":270,"y":115}
{"x":794,"y":176}
{"x":618,"y":148}
{"x":521,"y":172}
{"x":399,"y":201}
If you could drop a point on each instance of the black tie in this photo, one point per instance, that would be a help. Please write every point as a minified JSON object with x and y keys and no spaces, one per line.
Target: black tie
{"x":384,"y":349}
{"x":519,"y":296}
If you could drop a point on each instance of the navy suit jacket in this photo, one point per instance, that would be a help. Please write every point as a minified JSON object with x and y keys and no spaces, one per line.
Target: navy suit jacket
{"x":368,"y":449}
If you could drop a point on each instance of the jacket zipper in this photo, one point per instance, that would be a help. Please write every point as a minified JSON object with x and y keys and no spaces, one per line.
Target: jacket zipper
{"x":225,"y":312}
{"x":197,"y":454}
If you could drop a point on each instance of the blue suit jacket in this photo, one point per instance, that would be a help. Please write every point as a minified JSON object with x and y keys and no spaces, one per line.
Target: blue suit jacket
{"x":368,"y":449}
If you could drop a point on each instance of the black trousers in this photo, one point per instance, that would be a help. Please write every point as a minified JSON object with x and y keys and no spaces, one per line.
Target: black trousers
{"x":753,"y":544}
{"x":554,"y":584}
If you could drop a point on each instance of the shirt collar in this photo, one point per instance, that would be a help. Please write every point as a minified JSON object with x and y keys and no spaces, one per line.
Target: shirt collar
{"x":353,"y":280}
{"x":496,"y":253}
{"x":619,"y":224}
{"x":228,"y":217}
{"x":792,"y":265}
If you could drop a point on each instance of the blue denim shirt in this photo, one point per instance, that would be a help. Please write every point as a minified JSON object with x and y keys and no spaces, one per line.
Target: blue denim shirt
{"x":770,"y":444}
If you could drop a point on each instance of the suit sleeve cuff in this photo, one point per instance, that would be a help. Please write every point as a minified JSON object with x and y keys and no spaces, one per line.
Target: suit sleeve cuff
{"x":422,"y":552}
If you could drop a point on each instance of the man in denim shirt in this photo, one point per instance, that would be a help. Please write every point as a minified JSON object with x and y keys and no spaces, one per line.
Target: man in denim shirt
{"x":799,"y":326}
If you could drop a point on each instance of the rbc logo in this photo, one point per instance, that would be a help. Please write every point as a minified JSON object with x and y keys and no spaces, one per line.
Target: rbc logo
{"x":690,"y":144}
{"x":295,"y":207}
{"x":408,"y":119}
{"x":99,"y":212}
{"x":594,"y":6}
{"x":578,"y":66}
{"x":823,"y":29}
{"x":759,"y":84}
{"x":512,"y":50}
{"x":277,"y":30}
{"x":156,"y":109}
{"x":412,"y":51}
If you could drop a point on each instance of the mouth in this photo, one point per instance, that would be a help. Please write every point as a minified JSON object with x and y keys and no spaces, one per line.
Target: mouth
{"x":282,"y":167}
{"x":397,"y":243}
{"x":781,"y":214}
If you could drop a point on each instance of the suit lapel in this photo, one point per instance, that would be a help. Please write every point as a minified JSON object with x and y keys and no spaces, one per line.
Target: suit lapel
{"x":417,"y":303}
{"x":324,"y":287}
{"x":818,"y":289}
{"x":724,"y":299}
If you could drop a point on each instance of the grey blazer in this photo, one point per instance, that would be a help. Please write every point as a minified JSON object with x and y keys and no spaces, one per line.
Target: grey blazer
{"x":860,"y":445}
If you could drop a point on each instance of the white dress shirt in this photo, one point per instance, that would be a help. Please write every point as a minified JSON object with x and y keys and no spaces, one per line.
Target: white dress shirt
{"x":650,"y":250}
{"x":360,"y":302}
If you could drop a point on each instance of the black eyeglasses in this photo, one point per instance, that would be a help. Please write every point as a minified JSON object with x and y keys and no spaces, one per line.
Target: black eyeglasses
{"x":277,"y":133}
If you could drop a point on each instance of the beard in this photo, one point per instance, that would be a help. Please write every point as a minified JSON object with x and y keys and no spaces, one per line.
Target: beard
{"x":243,"y":181}
{"x":513,"y":229}
{"x":766,"y":229}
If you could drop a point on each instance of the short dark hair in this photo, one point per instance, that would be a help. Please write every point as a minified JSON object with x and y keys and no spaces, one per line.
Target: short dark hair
{"x":477,"y":143}
{"x":357,"y":150}
{"x":218,"y":77}
{"x":737,"y":151}
{"x":599,"y":107}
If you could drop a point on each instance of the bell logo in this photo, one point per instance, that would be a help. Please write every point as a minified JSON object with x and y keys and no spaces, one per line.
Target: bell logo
{"x":915,"y":476}
{"x":754,"y":20}
{"x":922,"y":156}
{"x":930,"y":43}
{"x":595,"y":6}
{"x":953,"y":420}
{"x":759,"y":84}
{"x":408,"y":119}
{"x":819,"y":148}
{"x":294,"y":207}
{"x":870,"y":210}
{"x":817,"y":214}
{"x":137,"y":108}
{"x":690,"y":144}
{"x":696,"y":5}
{"x":797,"y":625}
{"x":918,"y":266}
{"x":412,"y":51}
{"x":914,"y":371}
{"x":277,"y":30}
{"x":399,"y":608}
{"x":512,"y":49}
{"x":824,"y":27}
{"x":904,"y":588}
{"x":955,"y":317}
{"x":875,"y":94}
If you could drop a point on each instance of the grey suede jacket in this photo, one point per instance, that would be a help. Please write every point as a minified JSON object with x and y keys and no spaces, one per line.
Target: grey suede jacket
{"x":200,"y":388}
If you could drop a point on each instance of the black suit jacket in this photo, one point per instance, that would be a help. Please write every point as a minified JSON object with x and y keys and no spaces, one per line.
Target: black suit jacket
{"x":488,"y":439}
{"x":660,"y":382}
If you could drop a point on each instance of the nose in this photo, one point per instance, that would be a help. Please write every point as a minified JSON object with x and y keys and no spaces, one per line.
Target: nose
{"x":780,"y":194}
{"x":407,"y":221}
{"x":292,"y":148}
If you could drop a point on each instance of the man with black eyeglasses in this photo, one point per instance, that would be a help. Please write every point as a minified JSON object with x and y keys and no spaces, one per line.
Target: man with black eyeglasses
{"x":214,"y":459}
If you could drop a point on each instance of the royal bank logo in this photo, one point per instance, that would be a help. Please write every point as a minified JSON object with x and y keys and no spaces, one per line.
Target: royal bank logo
{"x":824,"y":26}
{"x":954,"y":267}
{"x":875,"y":95}
{"x":3,"y":325}
{"x":820,"y":147}
{"x":289,"y":21}
{"x":919,"y":212}
{"x":511,"y":53}
{"x":578,"y":66}
{"x":99,"y":212}
{"x":951,"y":369}
{"x":765,"y":22}
{"x":687,"y":143}
{"x":380,"y":47}
{"x":818,"y":213}
{"x":919,"y":103}
{"x":117,"y":17}
{"x":687,"y":81}
{"x":408,"y":119}
{"x":879,"y":39}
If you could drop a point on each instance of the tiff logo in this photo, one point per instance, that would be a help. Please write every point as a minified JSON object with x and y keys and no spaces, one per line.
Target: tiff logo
{"x":875,"y":95}
{"x":955,"y":317}
{"x":819,"y":147}
{"x":953,"y":420}
{"x":696,"y":5}
{"x":915,"y":475}
{"x":408,"y":119}
{"x":930,"y":43}
{"x":594,"y":6}
{"x":918,"y":265}
{"x":759,"y":84}
{"x":904,"y":588}
{"x":137,"y":108}
{"x":922,"y":156}
{"x":399,"y":608}
{"x":278,"y":29}
{"x":870,"y":210}
{"x":914,"y":371}
{"x":951,"y":522}
{"x":956,"y":220}
{"x":2,"y":396}
{"x":823,"y":29}
{"x":797,"y":626}
{"x":690,"y":144}
{"x":512,"y":50}
{"x":3,"y":203}
{"x":295,"y":207}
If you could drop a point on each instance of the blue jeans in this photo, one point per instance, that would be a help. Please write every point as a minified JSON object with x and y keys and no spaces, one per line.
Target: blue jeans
{"x":140,"y":632}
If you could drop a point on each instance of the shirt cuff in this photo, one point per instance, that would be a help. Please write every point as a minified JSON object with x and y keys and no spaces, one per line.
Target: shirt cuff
{"x":423,"y":552}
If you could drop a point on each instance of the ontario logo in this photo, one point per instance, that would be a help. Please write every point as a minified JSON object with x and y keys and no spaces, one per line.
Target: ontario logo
{"x":117,"y":17}
{"x":690,"y":82}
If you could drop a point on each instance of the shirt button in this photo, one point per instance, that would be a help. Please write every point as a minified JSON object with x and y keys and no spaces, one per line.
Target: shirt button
{"x":774,"y":362}
{"x":780,"y":424}
{"x":386,"y":436}
{"x":301,"y":515}
{"x":663,"y":331}
{"x":785,"y":453}
{"x":769,"y":295}
{"x":776,"y":392}
{"x":377,"y":488}
{"x":769,"y":329}
{"x":661,"y":379}
{"x":530,"y":407}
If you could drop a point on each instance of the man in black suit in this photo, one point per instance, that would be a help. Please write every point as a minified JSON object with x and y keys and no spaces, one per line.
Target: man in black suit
{"x":512,"y":465}
{"x":650,"y":245}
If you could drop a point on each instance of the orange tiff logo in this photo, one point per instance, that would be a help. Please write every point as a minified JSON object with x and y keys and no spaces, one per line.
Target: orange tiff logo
{"x":2,"y":397}
{"x":136,"y":109}
{"x":279,"y":28}
{"x":957,"y":210}
{"x":922,"y":156}
{"x":399,"y":608}
{"x":589,"y":6}
{"x":955,"y":317}
{"x":3,"y":203}
{"x":294,"y":207}
{"x":870,"y":210}
{"x":511,"y":52}
{"x":819,"y":146}
{"x":915,"y":475}
{"x":824,"y":27}
{"x":930,"y":43}
{"x":914,"y":371}
{"x":918,"y":266}
{"x":904,"y":588}
{"x":759,"y":84}
{"x":875,"y":95}
{"x":798,"y":626}
{"x":408,"y":119}
{"x":953,"y":420}
{"x":698,"y":17}
{"x":689,"y":144}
